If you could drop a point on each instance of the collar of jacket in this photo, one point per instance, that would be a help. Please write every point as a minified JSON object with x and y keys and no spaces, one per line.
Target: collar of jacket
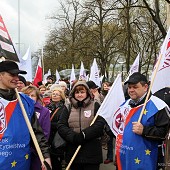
{"x":133,"y":104}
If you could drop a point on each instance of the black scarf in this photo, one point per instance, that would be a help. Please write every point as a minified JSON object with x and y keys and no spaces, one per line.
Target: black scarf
{"x":8,"y":94}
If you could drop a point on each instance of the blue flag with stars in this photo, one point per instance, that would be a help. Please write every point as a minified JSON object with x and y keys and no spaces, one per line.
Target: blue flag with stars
{"x":135,"y":152}
{"x":14,"y":134}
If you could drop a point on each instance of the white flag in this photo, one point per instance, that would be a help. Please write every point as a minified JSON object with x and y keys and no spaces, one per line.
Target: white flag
{"x":94,"y":74}
{"x":110,"y":106}
{"x":135,"y":67}
{"x":82,"y":75}
{"x":162,"y":78}
{"x":72,"y":76}
{"x":57,"y":76}
{"x":46,"y":75}
{"x":26,"y":65}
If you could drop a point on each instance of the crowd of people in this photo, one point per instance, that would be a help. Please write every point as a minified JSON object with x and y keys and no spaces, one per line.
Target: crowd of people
{"x":53,"y":108}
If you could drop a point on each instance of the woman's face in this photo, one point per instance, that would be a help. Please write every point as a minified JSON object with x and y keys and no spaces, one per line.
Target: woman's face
{"x":33,"y":95}
{"x":42,"y":90}
{"x":80,"y":94}
{"x":56,"y":96}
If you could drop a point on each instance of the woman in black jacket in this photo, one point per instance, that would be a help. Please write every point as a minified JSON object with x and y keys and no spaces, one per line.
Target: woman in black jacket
{"x":56,"y":108}
{"x":74,"y":127}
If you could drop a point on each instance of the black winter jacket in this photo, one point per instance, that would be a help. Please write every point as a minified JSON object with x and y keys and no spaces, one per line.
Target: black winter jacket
{"x":91,"y":150}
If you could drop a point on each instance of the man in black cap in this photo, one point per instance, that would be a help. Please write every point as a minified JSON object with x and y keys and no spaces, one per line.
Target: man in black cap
{"x":95,"y":90}
{"x":138,"y":141}
{"x":21,"y":83}
{"x":13,"y":129}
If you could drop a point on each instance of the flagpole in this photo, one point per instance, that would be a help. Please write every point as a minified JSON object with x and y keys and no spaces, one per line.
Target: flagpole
{"x":30,"y":128}
{"x":42,"y":60}
{"x":150,"y":87}
{"x":79,"y":147}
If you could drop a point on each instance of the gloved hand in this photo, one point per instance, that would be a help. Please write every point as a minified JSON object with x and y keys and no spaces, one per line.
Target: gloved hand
{"x":79,"y":138}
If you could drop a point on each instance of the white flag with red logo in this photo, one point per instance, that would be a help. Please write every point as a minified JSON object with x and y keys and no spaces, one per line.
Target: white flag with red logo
{"x":38,"y":74}
{"x":162,"y":78}
{"x":109,"y":109}
{"x":7,"y":49}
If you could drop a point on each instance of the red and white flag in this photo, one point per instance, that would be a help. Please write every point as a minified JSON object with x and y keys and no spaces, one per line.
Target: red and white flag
{"x":38,"y":74}
{"x":162,"y":78}
{"x":109,"y":108}
{"x":7,"y":49}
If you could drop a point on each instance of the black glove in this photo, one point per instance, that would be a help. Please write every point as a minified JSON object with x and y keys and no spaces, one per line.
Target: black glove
{"x":78,"y":138}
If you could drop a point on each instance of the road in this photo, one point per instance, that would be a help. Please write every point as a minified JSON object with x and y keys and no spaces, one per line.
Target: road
{"x":109,"y":166}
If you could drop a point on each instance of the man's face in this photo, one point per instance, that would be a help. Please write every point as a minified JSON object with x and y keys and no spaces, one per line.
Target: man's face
{"x":20,"y":85}
{"x":136,"y":91}
{"x":8,"y":81}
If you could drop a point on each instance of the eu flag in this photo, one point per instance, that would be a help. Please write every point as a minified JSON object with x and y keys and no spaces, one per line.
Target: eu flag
{"x":14,"y":134}
{"x":135,"y":152}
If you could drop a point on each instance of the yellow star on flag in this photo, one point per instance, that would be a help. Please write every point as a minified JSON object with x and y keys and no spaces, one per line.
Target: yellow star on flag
{"x":14,"y":163}
{"x":137,"y":161}
{"x":26,"y":156}
{"x":147,"y":152}
{"x":145,"y":111}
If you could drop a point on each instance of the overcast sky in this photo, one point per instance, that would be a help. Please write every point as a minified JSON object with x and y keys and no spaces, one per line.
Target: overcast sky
{"x":33,"y":25}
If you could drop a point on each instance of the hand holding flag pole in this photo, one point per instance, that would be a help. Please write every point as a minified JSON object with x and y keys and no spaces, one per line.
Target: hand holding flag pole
{"x":79,"y":147}
{"x":31,"y":130}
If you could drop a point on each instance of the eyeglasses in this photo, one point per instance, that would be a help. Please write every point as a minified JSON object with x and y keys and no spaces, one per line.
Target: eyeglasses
{"x":55,"y":94}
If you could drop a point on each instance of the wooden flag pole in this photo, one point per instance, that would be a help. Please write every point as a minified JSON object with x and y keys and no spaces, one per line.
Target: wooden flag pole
{"x":77,"y":150}
{"x":150,"y":87}
{"x":30,"y":128}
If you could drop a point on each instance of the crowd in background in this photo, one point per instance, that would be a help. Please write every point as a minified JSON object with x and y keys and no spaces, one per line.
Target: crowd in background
{"x":55,"y":99}
{"x":68,"y":111}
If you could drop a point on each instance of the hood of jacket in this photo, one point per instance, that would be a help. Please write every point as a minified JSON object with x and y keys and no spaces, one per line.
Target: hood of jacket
{"x":86,"y":101}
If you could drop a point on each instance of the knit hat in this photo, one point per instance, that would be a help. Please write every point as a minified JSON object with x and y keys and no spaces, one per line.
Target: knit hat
{"x":63,"y":83}
{"x":21,"y":78}
{"x":91,"y":85}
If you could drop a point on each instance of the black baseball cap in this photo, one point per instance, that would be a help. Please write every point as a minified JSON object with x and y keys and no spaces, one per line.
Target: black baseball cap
{"x":92,"y":85}
{"x":10,"y":67}
{"x":136,"y":78}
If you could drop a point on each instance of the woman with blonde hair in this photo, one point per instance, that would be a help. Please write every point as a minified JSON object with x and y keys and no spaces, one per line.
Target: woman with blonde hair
{"x":43,"y":116}
{"x":56,"y":108}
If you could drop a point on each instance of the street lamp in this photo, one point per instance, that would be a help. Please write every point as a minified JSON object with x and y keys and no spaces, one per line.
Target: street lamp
{"x":19,"y":27}
{"x":121,"y":61}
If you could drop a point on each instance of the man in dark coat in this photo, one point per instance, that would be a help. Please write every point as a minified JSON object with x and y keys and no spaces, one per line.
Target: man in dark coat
{"x":16,"y":130}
